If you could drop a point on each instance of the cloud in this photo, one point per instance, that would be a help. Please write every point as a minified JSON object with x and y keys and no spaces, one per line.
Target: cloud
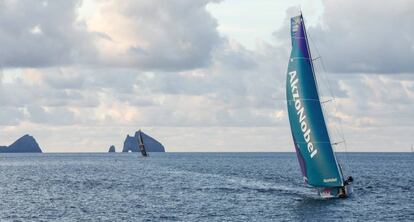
{"x":62,"y":80}
{"x":238,"y":89}
{"x":42,"y":33}
{"x":371,"y":38}
{"x":14,"y":116}
{"x":164,"y":66}
{"x":49,"y":115}
{"x":161,"y":35}
{"x":378,"y":98}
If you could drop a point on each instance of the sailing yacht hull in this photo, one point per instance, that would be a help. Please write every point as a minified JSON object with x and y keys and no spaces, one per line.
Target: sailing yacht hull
{"x":335,"y":192}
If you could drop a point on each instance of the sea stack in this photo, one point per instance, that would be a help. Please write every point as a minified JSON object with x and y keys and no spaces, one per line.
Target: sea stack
{"x":111,"y":149}
{"x":25,"y":144}
{"x":151,"y":144}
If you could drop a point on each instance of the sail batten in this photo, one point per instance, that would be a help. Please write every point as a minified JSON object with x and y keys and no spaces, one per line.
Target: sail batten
{"x":310,"y":134}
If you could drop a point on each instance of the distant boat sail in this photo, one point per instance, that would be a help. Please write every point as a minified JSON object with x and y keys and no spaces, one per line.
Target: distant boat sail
{"x":141,"y":144}
{"x":310,"y":135}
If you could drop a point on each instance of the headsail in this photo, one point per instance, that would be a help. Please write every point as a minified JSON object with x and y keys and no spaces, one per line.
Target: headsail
{"x":310,"y":135}
{"x":141,"y":144}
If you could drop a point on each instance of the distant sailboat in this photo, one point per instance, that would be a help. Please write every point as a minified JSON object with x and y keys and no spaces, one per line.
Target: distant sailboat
{"x":141,"y":144}
{"x":310,"y":134}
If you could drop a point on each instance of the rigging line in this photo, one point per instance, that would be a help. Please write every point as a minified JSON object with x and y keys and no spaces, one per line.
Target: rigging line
{"x":292,"y":100}
{"x":318,"y":142}
{"x":334,"y":99}
{"x":319,"y":57}
{"x":329,"y":100}
{"x":316,"y":83}
{"x":324,"y":118}
{"x":306,"y":58}
{"x":316,"y":58}
{"x":337,"y":143}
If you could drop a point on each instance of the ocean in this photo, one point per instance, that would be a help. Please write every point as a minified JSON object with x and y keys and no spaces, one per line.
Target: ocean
{"x":198,"y":187}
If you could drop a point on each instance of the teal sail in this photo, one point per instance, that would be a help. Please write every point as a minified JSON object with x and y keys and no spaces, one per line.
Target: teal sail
{"x":310,"y":135}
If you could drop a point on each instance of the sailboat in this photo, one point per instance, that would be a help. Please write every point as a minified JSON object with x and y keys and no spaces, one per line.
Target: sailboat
{"x":313,"y":146}
{"x":141,"y":144}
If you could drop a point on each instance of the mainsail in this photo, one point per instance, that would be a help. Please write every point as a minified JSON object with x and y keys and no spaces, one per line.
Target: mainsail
{"x":141,"y":144}
{"x":310,"y":135}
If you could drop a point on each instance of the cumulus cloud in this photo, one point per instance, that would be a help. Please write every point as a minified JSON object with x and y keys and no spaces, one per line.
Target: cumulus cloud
{"x":164,"y":66}
{"x":42,"y":33}
{"x":162,"y":35}
{"x":370,"y":38}
{"x":172,"y":35}
{"x":48,"y":115}
{"x":13,"y":116}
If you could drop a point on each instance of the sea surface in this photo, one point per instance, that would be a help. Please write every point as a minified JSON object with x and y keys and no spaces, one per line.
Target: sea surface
{"x":198,"y":187}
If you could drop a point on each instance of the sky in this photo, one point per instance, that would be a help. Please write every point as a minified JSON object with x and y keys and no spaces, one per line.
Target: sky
{"x":201,"y":75}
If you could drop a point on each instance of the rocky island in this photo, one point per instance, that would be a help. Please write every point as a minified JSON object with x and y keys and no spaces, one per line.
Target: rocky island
{"x":111,"y":149}
{"x":25,"y":144}
{"x":151,"y":144}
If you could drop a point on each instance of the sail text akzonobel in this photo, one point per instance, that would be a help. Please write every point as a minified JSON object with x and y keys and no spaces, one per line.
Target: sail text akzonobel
{"x":300,"y":112}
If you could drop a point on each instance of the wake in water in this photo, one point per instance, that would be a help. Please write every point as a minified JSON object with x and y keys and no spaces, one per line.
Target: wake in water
{"x":224,"y":183}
